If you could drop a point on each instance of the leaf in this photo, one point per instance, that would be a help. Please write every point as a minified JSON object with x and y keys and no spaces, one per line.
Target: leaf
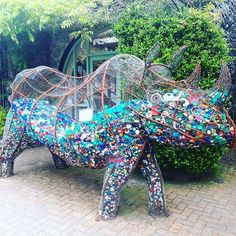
{"x":30,"y":35}
{"x":66,"y":24}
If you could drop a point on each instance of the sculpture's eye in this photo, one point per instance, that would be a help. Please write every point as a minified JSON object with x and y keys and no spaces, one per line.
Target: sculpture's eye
{"x":156,"y":98}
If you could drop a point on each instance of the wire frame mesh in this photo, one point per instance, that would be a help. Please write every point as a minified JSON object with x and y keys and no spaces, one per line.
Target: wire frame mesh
{"x":173,"y":112}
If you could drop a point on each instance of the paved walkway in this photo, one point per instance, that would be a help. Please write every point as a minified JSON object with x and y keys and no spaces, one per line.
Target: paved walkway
{"x":40,"y":200}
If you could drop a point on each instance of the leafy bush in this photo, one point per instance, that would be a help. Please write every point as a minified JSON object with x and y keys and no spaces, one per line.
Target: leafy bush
{"x":137,"y":32}
{"x":3,"y":116}
{"x":196,"y":29}
{"x":193,"y":161}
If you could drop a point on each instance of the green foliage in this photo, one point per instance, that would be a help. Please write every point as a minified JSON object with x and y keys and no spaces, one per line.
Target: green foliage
{"x":196,"y":161}
{"x":3,"y":116}
{"x":137,"y":32}
{"x":26,"y":16}
{"x":195,"y":29}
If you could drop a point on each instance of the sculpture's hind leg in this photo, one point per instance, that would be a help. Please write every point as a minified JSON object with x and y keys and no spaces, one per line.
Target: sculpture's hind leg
{"x":117,"y":174}
{"x":151,"y":171}
{"x":59,"y":162}
{"x":13,"y":143}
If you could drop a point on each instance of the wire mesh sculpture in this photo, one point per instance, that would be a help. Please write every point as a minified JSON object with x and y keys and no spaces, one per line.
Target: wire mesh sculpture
{"x":112,"y":117}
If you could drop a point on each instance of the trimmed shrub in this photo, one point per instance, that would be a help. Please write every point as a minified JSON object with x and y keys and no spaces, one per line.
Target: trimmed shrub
{"x":3,"y":116}
{"x":196,"y":29}
{"x":137,"y":32}
{"x":191,"y":162}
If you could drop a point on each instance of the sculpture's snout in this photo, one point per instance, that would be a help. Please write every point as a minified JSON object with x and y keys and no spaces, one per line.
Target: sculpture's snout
{"x":194,"y":125}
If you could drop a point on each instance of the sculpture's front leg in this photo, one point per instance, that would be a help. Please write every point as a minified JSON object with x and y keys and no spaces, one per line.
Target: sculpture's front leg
{"x":151,"y":171}
{"x":117,"y":174}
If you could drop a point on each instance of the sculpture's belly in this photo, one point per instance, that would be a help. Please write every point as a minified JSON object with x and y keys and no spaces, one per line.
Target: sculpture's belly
{"x":78,"y":144}
{"x":79,"y":147}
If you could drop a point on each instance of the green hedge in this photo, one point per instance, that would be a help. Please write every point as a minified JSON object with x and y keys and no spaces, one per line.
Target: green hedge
{"x":3,"y":116}
{"x":137,"y":32}
{"x":194,"y":161}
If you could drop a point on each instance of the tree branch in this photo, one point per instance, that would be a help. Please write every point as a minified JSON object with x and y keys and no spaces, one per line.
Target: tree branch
{"x":175,"y":4}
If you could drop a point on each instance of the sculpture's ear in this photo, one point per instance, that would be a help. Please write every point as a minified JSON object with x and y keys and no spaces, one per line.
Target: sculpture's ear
{"x":195,"y":77}
{"x":152,"y":54}
{"x":176,"y":57}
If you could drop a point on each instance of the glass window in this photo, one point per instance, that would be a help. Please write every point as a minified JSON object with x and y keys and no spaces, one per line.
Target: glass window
{"x":82,"y":61}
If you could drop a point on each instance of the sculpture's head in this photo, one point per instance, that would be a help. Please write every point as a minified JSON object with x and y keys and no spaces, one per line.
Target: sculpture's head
{"x":180,"y":112}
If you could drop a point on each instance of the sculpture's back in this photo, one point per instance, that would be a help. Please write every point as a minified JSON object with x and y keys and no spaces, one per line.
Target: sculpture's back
{"x":106,"y":86}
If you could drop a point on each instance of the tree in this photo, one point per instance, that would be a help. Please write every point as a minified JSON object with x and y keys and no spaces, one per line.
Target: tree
{"x":29,"y":16}
{"x":22,"y":20}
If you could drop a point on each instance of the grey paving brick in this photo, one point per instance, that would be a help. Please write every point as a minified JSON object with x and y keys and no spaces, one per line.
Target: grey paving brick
{"x":39,"y":200}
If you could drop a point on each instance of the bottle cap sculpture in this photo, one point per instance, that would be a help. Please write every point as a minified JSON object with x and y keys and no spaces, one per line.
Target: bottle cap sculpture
{"x":112,"y":118}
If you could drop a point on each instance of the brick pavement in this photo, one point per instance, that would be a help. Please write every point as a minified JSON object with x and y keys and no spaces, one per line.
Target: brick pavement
{"x":39,"y":200}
